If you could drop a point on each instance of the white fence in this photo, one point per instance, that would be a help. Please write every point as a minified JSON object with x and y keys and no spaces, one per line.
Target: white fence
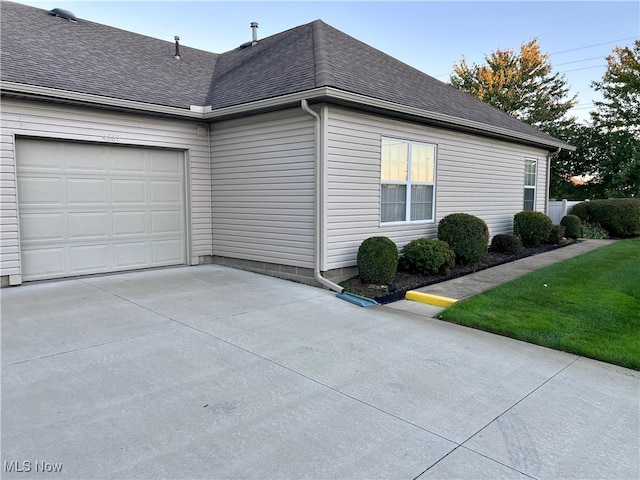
{"x":557,"y":210}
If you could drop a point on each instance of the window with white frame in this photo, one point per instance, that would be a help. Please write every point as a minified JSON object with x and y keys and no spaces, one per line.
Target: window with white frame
{"x":407,"y":187}
{"x":530,"y":173}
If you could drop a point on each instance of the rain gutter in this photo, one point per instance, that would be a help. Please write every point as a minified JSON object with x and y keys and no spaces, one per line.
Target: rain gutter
{"x":328,"y":94}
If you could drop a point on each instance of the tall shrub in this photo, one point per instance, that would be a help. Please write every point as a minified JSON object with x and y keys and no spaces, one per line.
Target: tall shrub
{"x":532,"y":228}
{"x":619,"y":216}
{"x":467,"y":235}
{"x":377,"y":260}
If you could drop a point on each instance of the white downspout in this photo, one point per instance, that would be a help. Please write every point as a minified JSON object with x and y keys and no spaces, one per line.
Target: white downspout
{"x":320,"y":162}
{"x":548,"y":180}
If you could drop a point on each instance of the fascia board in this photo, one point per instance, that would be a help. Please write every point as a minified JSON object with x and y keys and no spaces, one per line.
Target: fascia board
{"x":90,"y":99}
{"x":452,"y":122}
{"x":321,"y":93}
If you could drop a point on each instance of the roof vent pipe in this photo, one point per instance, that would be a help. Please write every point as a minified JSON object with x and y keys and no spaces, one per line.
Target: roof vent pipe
{"x":254,"y":32}
{"x":177,"y":55}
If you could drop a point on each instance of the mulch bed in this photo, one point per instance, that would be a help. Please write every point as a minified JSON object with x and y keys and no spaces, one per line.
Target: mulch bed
{"x":406,"y":281}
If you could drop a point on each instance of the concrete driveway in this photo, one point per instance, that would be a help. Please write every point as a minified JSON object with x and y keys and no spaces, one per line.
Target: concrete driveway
{"x":210,"y":372}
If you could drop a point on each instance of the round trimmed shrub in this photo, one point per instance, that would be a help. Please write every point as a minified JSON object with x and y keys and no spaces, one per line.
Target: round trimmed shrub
{"x":427,"y":256}
{"x":572,"y":225}
{"x":377,"y":260}
{"x":556,"y":235}
{"x":468,"y":237}
{"x":532,"y":228}
{"x":506,"y":243}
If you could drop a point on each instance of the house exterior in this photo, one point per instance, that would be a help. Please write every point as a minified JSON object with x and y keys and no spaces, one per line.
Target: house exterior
{"x":280,"y":156}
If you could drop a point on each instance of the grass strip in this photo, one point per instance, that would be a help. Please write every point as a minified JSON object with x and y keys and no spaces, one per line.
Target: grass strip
{"x":588,"y":305}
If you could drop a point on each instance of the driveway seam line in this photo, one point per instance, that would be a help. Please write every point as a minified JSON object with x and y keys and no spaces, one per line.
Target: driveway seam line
{"x":462,"y":445}
{"x":282,"y":366}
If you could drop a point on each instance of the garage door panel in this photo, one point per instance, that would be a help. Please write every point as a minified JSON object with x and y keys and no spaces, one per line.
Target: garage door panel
{"x":126,"y":165}
{"x":90,"y":224}
{"x":166,"y":251}
{"x":89,"y":258}
{"x":166,"y":191}
{"x":128,"y":191}
{"x":41,"y":156}
{"x":44,"y":262}
{"x":166,"y":222}
{"x":129,"y":223}
{"x":80,"y":157}
{"x":166,"y":163}
{"x":97,"y":208}
{"x":87,"y":191}
{"x":38,"y":190}
{"x":131,"y":255}
{"x":42,"y":226}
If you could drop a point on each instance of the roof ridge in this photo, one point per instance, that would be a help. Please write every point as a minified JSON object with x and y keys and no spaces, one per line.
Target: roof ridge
{"x":322,"y":59}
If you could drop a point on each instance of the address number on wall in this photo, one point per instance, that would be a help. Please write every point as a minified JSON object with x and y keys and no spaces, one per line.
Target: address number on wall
{"x":111,"y":137}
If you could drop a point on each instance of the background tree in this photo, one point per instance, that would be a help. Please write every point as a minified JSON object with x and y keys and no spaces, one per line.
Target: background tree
{"x":521,"y":84}
{"x":620,"y":89}
{"x":617,"y":120}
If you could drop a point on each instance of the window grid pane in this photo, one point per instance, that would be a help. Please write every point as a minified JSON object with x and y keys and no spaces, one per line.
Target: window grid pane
{"x":395,"y":161}
{"x":529,"y":199}
{"x":422,"y":163}
{"x":394,"y":203}
{"x":421,"y":202}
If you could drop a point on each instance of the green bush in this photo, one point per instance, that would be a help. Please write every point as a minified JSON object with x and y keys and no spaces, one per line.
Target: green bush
{"x":593,"y":230}
{"x":532,"y":228}
{"x":581,"y":210}
{"x":572,"y":225}
{"x":377,"y":260}
{"x":506,"y":243}
{"x":619,"y":216}
{"x":556,"y":235}
{"x":468,"y":237}
{"x":427,"y":256}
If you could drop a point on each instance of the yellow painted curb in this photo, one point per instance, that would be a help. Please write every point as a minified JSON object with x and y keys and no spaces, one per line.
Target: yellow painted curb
{"x":430,"y":299}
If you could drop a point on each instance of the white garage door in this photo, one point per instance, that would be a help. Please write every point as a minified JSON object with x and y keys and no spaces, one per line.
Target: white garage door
{"x":90,"y":208}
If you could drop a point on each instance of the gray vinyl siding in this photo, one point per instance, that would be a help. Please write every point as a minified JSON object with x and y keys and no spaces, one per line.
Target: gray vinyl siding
{"x":263,"y":183}
{"x":476,"y":175}
{"x":64,"y":122}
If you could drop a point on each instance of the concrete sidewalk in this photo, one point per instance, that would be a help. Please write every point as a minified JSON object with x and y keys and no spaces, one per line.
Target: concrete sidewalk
{"x":474,"y":283}
{"x":210,"y":372}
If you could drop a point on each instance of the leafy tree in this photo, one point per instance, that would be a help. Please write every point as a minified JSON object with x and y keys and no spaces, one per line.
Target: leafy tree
{"x":620,"y":89}
{"x":617,"y":119}
{"x":521,"y":84}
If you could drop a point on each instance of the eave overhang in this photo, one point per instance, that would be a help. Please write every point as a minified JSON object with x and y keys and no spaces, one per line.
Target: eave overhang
{"x":321,"y":94}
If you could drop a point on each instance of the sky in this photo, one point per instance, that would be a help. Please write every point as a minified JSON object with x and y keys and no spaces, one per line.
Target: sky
{"x":429,"y":35}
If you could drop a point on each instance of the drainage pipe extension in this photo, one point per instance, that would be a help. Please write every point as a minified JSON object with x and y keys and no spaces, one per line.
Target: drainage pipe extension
{"x":548,"y":179}
{"x":319,"y":201}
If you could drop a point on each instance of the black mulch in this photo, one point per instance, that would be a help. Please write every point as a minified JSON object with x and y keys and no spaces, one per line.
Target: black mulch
{"x":406,"y":281}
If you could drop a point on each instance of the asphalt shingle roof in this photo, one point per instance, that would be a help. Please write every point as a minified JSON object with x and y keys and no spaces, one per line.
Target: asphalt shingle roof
{"x":87,"y":57}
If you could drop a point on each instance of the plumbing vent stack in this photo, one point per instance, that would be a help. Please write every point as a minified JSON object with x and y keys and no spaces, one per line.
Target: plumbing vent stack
{"x":177,"y":55}
{"x":254,"y":30}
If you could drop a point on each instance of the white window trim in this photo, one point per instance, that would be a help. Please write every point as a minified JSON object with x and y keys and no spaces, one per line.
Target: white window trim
{"x":409,"y":183}
{"x":533,"y":187}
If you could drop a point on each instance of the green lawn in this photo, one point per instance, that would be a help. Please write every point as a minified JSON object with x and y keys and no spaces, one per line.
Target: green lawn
{"x":588,"y":305}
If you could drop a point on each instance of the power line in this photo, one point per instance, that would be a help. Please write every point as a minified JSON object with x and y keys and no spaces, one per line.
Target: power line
{"x":594,"y":45}
{"x":583,"y":68}
{"x":578,"y":61}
